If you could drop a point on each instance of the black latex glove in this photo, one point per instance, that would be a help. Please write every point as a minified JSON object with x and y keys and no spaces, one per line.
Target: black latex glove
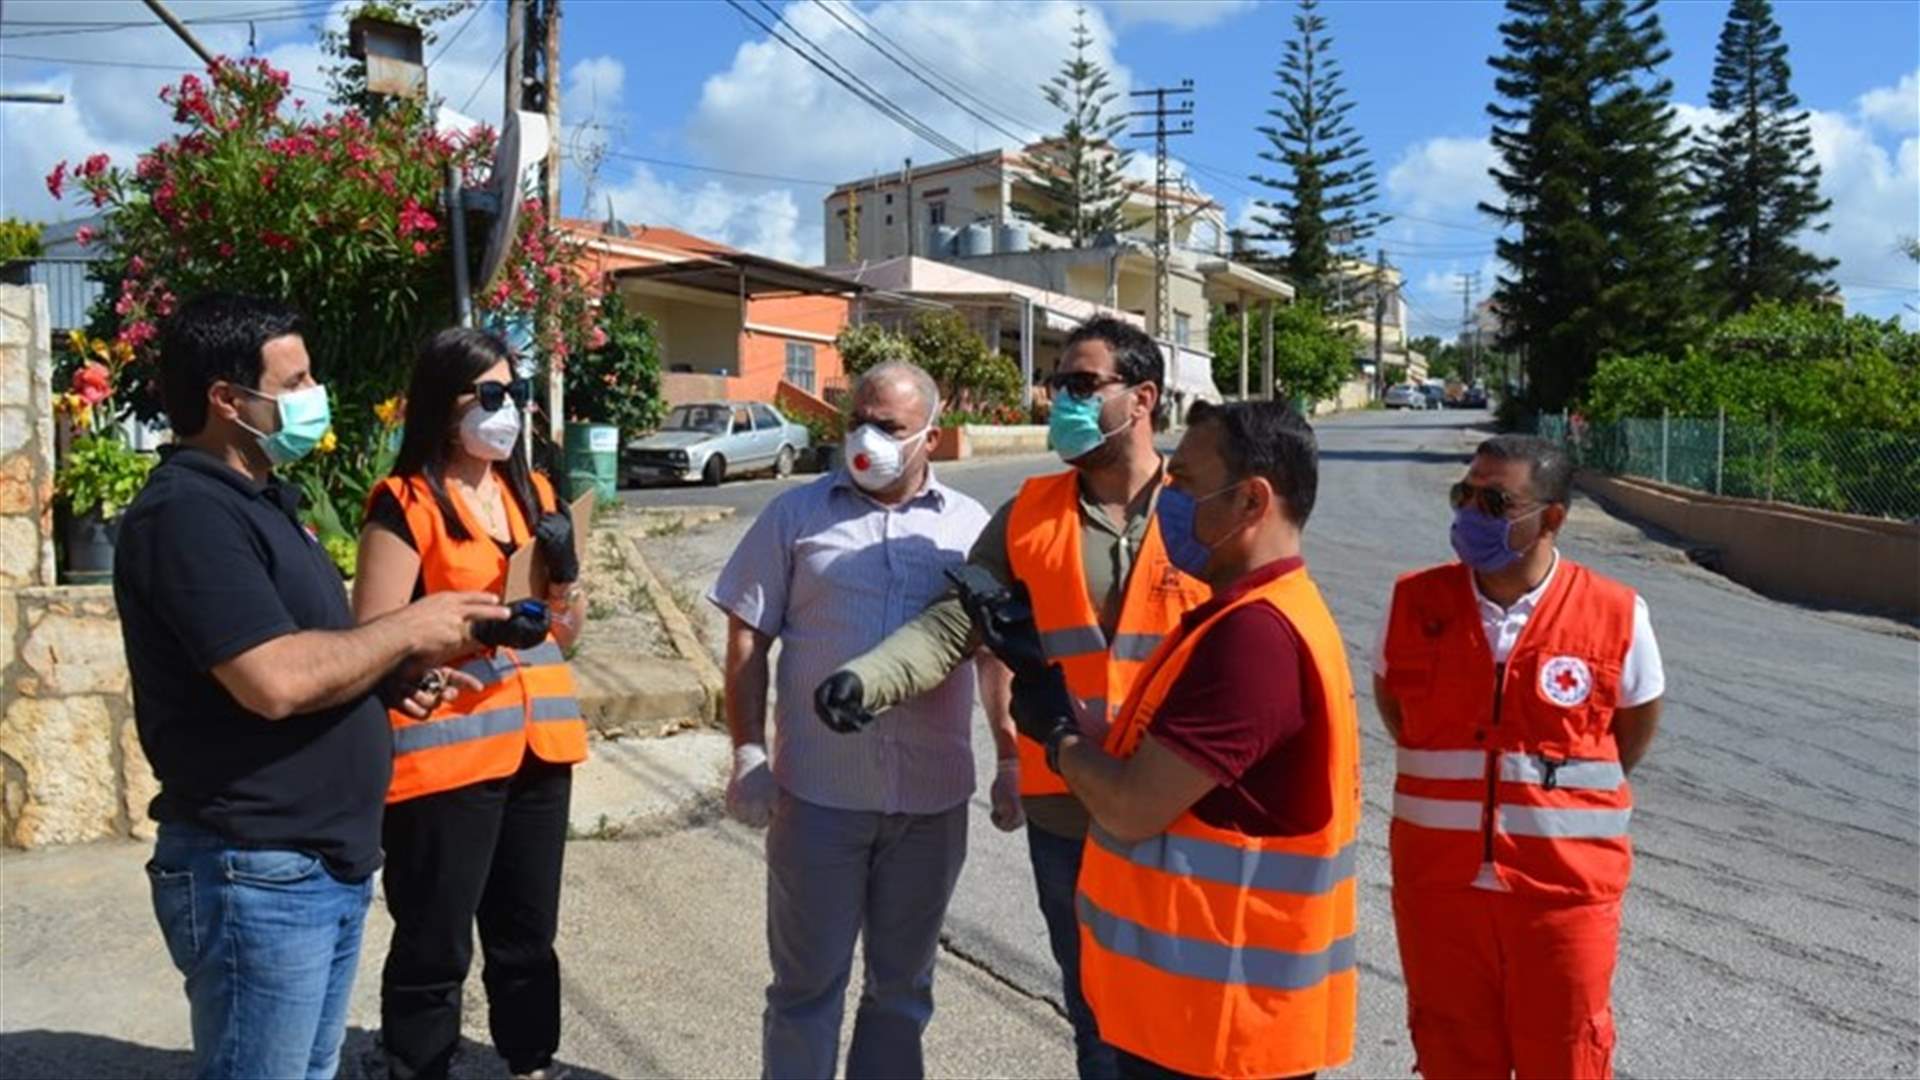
{"x":1043,"y":708}
{"x":528,"y":627}
{"x":1004,"y":617}
{"x":840,"y":702}
{"x":554,"y":536}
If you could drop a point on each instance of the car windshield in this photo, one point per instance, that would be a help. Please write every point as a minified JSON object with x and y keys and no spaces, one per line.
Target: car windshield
{"x":708,"y":418}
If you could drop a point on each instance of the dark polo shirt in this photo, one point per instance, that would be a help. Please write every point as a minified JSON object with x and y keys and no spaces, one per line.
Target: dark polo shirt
{"x":209,"y":564}
{"x":1238,"y":713}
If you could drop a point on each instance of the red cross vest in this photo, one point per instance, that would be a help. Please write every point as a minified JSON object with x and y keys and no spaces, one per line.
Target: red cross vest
{"x":528,"y":700}
{"x":1509,"y":777}
{"x":1043,"y":552}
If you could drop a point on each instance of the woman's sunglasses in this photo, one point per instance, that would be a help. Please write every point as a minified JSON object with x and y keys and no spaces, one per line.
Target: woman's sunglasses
{"x":492,"y":395}
{"x":1490,"y":499}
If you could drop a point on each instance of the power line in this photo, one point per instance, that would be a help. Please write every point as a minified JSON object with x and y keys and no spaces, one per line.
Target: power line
{"x":179,"y":69}
{"x":930,"y":69}
{"x":742,"y":174}
{"x":488,"y":77}
{"x":444,"y":49}
{"x":922,"y":79}
{"x":282,"y":14}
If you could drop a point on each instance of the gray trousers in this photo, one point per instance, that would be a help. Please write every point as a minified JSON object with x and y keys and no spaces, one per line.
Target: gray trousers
{"x":832,"y":876}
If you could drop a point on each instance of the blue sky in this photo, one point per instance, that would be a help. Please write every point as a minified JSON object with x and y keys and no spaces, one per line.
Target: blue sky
{"x":695,"y":83}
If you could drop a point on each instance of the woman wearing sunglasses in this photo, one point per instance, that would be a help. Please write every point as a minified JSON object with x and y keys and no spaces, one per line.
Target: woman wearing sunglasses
{"x":476,"y":819}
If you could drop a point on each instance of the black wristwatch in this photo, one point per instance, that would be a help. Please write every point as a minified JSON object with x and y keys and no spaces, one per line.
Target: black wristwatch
{"x":1054,"y":740}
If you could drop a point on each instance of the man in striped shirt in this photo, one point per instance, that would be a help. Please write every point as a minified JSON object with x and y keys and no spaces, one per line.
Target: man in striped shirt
{"x":863,"y":834}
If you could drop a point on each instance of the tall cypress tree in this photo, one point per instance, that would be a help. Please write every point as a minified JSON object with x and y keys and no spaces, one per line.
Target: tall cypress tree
{"x":1754,"y":175}
{"x":1082,"y":170}
{"x":1593,"y":172}
{"x":1322,"y":211}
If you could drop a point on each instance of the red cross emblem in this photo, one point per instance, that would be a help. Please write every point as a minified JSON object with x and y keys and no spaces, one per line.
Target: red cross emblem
{"x":1566,"y":681}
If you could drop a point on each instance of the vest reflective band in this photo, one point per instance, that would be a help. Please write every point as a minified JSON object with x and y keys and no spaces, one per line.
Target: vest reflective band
{"x":1218,"y":954}
{"x":1511,"y":779}
{"x":527,"y":700}
{"x":1044,"y":551}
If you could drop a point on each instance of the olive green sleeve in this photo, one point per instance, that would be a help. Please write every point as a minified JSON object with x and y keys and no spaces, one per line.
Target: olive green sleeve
{"x":918,"y":657}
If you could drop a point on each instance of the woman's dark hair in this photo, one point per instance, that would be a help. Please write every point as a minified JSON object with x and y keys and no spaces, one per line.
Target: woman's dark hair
{"x":448,"y":365}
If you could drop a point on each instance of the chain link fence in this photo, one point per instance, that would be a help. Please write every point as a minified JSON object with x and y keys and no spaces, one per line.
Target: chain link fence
{"x":1876,"y":473}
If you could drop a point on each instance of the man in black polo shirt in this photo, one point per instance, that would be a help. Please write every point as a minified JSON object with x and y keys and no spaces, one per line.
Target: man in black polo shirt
{"x":255,"y":698}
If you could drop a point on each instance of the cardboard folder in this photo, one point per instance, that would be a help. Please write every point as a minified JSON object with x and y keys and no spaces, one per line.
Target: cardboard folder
{"x":527,"y":573}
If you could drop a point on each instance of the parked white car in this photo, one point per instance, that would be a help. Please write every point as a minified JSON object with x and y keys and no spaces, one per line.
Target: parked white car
{"x":712,"y":440}
{"x":1405,"y":396}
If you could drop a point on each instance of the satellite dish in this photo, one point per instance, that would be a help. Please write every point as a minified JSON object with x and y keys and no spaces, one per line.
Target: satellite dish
{"x":523,"y":146}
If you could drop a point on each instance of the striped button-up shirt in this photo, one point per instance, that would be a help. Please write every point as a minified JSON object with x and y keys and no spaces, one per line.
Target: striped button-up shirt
{"x":830,"y":573}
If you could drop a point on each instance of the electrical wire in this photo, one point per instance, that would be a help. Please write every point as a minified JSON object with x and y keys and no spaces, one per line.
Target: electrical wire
{"x":444,"y":49}
{"x":178,"y":69}
{"x":281,"y":14}
{"x":922,"y":79}
{"x":920,"y":66}
{"x":488,"y":77}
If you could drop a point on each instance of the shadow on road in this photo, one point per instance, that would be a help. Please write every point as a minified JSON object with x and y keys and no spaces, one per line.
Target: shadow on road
{"x":57,"y":1055}
{"x":1423,"y":457}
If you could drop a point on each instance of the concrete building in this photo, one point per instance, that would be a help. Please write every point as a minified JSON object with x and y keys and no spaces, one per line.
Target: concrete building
{"x":1363,"y":286}
{"x":967,"y":212}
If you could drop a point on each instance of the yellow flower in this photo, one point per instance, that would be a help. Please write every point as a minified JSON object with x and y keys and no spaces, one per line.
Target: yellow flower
{"x":391,"y":410}
{"x":100,"y":351}
{"x":328,"y":443}
{"x":77,"y":342}
{"x":122,"y":352}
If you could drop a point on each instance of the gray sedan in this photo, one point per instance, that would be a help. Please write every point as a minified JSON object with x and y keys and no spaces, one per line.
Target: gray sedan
{"x":712,"y":440}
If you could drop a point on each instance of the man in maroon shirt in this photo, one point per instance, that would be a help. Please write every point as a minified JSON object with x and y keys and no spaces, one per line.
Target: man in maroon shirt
{"x":1241,"y":729}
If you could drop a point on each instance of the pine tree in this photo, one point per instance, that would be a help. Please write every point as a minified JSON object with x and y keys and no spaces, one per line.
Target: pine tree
{"x":1754,"y":175}
{"x":1323,"y":213}
{"x":1593,"y":172}
{"x":1082,"y":169}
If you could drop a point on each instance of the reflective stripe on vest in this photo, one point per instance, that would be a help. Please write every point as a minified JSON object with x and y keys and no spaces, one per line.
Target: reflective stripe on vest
{"x":1509,"y":776}
{"x":527,"y":700}
{"x":1215,"y":953}
{"x":1209,"y":961}
{"x":1045,"y":536}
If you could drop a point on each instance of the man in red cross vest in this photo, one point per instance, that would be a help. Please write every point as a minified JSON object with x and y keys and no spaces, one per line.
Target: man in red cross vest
{"x":1521,"y":688}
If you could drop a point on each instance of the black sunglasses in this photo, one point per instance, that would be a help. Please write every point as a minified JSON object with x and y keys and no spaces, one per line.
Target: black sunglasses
{"x":1081,"y":384}
{"x":492,"y":395}
{"x":1490,"y":499}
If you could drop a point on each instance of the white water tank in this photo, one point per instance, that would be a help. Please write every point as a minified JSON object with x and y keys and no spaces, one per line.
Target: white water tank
{"x":1013,"y":238}
{"x":977,"y":239}
{"x":943,"y":239}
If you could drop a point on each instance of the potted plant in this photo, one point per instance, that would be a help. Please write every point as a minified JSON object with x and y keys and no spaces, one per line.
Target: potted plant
{"x":99,"y":477}
{"x":613,"y":394}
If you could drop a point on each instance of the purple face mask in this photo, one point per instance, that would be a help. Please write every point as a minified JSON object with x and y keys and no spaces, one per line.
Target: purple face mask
{"x":1483,"y":541}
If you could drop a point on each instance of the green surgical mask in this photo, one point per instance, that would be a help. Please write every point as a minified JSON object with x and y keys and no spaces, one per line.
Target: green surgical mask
{"x":305,"y":416}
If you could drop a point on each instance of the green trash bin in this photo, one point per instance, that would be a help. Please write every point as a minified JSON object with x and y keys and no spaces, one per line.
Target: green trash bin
{"x":593,"y":457}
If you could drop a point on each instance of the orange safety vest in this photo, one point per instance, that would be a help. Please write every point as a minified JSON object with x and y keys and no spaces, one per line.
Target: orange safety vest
{"x":1043,"y":551}
{"x":529,"y":701}
{"x":1510,"y":779}
{"x":1215,"y":953}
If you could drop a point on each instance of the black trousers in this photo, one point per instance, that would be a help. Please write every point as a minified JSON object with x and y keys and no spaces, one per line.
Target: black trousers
{"x":489,"y":852}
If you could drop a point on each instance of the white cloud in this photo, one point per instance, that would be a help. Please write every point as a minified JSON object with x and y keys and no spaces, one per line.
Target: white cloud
{"x":594,"y":86}
{"x":1896,"y":108}
{"x":1180,"y":14}
{"x":113,"y":106}
{"x":1444,"y":175}
{"x":766,"y":222}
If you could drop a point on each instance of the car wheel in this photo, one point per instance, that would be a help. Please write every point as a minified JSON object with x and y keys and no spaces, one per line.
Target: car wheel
{"x":783,"y":465}
{"x":715,"y":471}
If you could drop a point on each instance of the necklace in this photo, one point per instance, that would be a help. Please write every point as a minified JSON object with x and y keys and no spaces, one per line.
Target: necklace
{"x":489,"y":505}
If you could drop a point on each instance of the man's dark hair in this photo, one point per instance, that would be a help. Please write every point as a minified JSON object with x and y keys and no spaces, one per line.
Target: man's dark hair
{"x":1136,"y":356}
{"x":1271,"y":440}
{"x":1549,"y":469}
{"x":216,"y":338}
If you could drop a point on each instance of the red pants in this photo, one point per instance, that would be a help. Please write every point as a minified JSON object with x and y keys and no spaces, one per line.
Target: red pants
{"x":1501,"y":985}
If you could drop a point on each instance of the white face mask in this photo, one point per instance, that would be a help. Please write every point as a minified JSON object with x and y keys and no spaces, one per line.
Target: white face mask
{"x":490,"y":436}
{"x":876,"y":459}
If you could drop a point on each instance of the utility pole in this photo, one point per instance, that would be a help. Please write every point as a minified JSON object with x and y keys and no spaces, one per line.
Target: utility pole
{"x":550,"y":95}
{"x":180,"y":30}
{"x":1469,"y":333}
{"x":906,"y":184}
{"x":516,"y":48}
{"x":1379,"y":322}
{"x":1162,"y":208}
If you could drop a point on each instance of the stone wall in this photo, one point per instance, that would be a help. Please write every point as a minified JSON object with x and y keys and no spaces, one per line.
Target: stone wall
{"x":70,"y":761}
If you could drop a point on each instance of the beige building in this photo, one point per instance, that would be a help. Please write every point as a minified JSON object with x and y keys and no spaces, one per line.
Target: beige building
{"x":1365,"y":284}
{"x":964,"y":212}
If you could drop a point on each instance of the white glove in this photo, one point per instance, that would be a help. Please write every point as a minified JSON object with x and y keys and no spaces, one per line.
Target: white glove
{"x":1008,"y":813}
{"x":750,"y":790}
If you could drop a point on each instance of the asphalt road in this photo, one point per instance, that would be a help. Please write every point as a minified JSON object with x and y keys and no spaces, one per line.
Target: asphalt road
{"x":1771,"y":929}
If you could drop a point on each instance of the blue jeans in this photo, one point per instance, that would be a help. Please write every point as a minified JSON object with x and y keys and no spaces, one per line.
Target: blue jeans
{"x":834,"y":876}
{"x":1056,"y":876}
{"x":267,"y":940}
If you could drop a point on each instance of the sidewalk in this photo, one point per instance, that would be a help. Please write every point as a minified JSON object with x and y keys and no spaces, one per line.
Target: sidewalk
{"x":662,"y":945}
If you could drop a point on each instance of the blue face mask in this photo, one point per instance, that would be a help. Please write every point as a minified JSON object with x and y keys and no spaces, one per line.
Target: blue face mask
{"x":1485,"y":542}
{"x":1175,"y":512}
{"x":1073,"y":427}
{"x":305,"y":416}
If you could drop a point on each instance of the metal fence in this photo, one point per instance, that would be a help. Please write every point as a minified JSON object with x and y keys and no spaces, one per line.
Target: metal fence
{"x":1876,"y":473}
